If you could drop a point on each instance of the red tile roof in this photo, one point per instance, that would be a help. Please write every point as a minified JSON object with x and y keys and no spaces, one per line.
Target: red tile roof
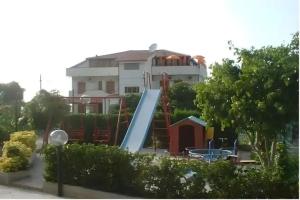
{"x":137,"y":55}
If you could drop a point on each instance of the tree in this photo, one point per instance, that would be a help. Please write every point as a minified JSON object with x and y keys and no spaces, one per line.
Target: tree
{"x":132,"y":101}
{"x":46,"y":110}
{"x":11,"y":100}
{"x":258,"y":94}
{"x":182,"y":96}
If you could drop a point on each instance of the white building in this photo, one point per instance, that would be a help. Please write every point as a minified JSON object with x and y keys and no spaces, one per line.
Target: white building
{"x":124,"y":72}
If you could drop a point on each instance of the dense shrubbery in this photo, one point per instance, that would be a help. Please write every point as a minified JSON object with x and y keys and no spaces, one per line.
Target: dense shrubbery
{"x":26,"y":137}
{"x":17,"y":151}
{"x":179,"y":114}
{"x":111,"y":169}
{"x":4,"y":134}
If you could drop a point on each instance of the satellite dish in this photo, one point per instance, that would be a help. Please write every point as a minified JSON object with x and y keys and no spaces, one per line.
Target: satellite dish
{"x":153,"y":47}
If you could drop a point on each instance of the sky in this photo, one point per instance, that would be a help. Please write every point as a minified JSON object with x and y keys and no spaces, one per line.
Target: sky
{"x":47,"y":36}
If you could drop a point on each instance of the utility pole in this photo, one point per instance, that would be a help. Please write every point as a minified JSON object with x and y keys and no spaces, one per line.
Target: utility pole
{"x":40,"y":82}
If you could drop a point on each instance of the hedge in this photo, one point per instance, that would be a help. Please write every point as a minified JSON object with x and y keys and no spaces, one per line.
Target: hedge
{"x":102,"y":121}
{"x":111,"y":169}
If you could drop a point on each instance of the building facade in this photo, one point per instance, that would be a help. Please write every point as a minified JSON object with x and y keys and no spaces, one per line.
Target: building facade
{"x":130,"y":71}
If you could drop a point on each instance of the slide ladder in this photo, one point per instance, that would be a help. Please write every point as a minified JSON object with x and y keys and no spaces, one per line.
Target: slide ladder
{"x":140,"y":123}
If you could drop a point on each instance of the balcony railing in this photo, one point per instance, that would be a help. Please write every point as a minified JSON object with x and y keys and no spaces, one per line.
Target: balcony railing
{"x":177,"y":70}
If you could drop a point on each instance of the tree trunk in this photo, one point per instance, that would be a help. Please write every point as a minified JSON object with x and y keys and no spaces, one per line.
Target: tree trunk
{"x":46,"y":133}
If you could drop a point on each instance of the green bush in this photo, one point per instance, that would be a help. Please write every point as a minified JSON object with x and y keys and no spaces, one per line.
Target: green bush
{"x":13,"y":164}
{"x":91,"y":121}
{"x":15,"y":156}
{"x":100,"y":167}
{"x":4,"y":135}
{"x":17,"y":151}
{"x":179,"y":114}
{"x":109,"y":168}
{"x":26,"y":137}
{"x":15,"y":148}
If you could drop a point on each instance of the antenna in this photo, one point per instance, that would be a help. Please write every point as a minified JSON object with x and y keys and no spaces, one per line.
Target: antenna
{"x":153,"y":47}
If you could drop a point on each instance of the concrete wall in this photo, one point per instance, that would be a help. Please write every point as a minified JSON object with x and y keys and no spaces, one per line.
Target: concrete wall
{"x":82,"y":193}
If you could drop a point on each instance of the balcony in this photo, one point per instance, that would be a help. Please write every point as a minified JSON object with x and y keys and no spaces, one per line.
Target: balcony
{"x":177,"y":70}
{"x":92,"y":71}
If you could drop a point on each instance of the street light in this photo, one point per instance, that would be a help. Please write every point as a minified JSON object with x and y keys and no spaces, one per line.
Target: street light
{"x":58,"y":138}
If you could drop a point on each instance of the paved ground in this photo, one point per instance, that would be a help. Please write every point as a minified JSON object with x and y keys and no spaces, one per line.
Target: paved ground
{"x":9,"y":192}
{"x":30,"y":187}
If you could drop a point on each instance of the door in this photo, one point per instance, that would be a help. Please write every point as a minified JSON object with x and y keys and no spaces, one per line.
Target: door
{"x":186,"y":137}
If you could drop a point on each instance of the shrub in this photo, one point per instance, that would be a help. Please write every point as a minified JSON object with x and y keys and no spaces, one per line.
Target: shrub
{"x":109,"y":168}
{"x":101,"y":167}
{"x":26,"y":137}
{"x":102,"y":121}
{"x":4,"y":134}
{"x":15,"y":148}
{"x":180,"y":114}
{"x":14,"y":156}
{"x":17,"y":151}
{"x":13,"y":164}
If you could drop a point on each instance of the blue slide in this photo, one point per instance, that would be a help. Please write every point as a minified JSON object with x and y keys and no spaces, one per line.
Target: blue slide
{"x":140,"y":123}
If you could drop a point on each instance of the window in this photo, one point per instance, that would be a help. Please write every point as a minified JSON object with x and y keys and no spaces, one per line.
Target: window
{"x":131,"y":66}
{"x":132,"y":89}
{"x":81,"y":87}
{"x":110,"y":87}
{"x":100,"y":85}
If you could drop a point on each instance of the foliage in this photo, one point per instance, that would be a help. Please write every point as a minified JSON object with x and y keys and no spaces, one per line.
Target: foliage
{"x":13,"y":164}
{"x":11,"y":100}
{"x":7,"y":116}
{"x":46,"y":107}
{"x":100,"y":167}
{"x":26,"y":137}
{"x":4,"y":135}
{"x":109,"y":168}
{"x":91,"y":121}
{"x":214,"y":96}
{"x":182,"y":96}
{"x":15,"y":148}
{"x":132,"y":101}
{"x":17,"y":151}
{"x":180,"y":114}
{"x":10,"y":92}
{"x":14,"y":156}
{"x":256,"y":95}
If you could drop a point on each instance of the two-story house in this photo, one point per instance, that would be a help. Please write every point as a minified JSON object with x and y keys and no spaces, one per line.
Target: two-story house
{"x":128,"y":72}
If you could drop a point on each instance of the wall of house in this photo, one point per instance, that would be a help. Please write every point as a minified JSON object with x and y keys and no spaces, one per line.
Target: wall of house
{"x":133,"y":78}
{"x":92,"y":83}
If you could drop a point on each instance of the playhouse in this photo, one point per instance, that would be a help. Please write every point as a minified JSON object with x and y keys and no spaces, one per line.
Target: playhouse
{"x":188,"y":132}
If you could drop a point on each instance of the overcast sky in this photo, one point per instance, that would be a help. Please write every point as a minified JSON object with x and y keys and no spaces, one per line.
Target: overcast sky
{"x":46,"y":37}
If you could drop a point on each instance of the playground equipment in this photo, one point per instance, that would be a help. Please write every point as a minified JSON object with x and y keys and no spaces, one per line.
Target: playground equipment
{"x":101,"y":135}
{"x":138,"y":128}
{"x":211,"y":154}
{"x":160,"y":127}
{"x":142,"y":118}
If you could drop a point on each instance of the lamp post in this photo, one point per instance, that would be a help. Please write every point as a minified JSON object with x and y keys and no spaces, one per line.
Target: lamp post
{"x":58,"y":138}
